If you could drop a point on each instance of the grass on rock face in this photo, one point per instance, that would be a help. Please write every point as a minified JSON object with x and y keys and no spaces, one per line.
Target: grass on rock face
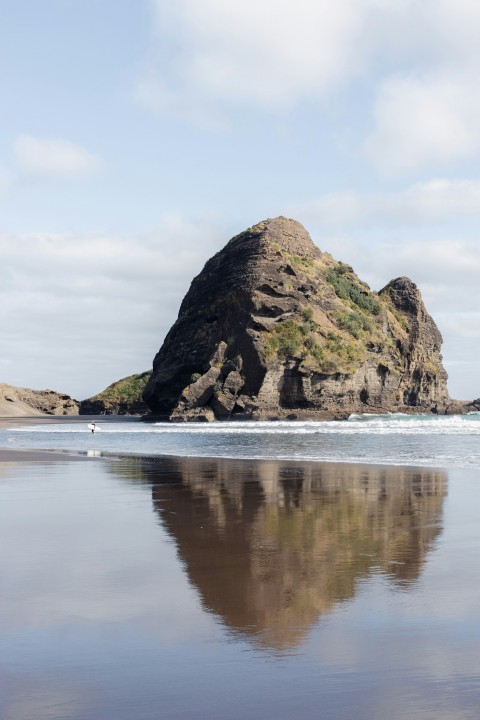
{"x":301,"y":338}
{"x":348,"y":287}
{"x":334,"y":336}
{"x":127,"y":389}
{"x":354,"y":323}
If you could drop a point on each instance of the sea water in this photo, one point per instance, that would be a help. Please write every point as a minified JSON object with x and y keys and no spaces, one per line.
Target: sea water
{"x":189,"y":583}
{"x":390,"y":439}
{"x":210,"y":588}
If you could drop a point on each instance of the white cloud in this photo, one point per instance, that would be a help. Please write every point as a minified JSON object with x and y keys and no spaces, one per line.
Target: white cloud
{"x":426,"y":110}
{"x":451,"y":265}
{"x":54,"y":158}
{"x":267,"y":54}
{"x":424,"y":121}
{"x":78,"y":312}
{"x":432,"y":201}
{"x":418,"y":61}
{"x":274,"y":54}
{"x":454,"y":25}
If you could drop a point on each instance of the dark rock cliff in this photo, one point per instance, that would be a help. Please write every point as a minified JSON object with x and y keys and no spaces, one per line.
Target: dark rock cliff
{"x":274,"y":328}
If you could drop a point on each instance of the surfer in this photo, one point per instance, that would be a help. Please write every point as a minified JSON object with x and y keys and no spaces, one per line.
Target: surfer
{"x":92,"y":427}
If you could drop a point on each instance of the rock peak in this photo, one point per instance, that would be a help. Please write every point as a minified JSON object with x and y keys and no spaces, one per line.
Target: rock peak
{"x":289,"y":235}
{"x":404,"y":294}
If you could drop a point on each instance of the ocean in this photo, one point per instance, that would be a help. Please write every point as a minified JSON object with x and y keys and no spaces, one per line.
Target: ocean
{"x":419,"y":440}
{"x":204,"y":572}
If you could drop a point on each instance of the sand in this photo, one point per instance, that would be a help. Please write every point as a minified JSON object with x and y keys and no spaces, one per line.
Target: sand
{"x":7,"y":455}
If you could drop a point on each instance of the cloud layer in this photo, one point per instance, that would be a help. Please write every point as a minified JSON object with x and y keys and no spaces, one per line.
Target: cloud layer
{"x":418,"y":59}
{"x":419,"y":122}
{"x":78,"y":312}
{"x":422,"y":203}
{"x":54,"y":158}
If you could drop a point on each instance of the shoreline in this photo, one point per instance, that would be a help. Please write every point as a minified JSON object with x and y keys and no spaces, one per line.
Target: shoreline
{"x":23,"y":420}
{"x":9,"y":455}
{"x":27,"y":455}
{"x":32,"y":454}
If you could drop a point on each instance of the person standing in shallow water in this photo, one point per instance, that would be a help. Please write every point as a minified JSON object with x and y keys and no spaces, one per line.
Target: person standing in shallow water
{"x":93,"y":427}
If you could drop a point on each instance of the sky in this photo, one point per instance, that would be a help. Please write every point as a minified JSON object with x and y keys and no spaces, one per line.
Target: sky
{"x":137,"y":137}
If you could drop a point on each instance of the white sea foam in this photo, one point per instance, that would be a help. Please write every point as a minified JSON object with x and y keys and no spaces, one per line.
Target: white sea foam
{"x":356,"y":424}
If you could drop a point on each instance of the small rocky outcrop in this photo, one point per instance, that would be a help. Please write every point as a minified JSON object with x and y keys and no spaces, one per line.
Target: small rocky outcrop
{"x":275,"y":328}
{"x":123,"y":397}
{"x":18,"y":402}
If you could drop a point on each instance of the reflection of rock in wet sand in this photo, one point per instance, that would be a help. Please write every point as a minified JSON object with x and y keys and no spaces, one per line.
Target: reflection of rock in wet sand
{"x":270,"y":546}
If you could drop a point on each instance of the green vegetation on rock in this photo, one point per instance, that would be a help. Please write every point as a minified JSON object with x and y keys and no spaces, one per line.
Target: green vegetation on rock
{"x":347,"y":287}
{"x":326,"y":353}
{"x":354,"y":323}
{"x":126,"y":390}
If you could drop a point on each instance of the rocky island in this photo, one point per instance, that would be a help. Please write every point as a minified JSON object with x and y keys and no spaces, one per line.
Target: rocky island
{"x":275,"y":328}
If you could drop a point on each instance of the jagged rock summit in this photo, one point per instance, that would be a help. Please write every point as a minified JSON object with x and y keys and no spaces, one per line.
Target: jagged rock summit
{"x":275,"y":328}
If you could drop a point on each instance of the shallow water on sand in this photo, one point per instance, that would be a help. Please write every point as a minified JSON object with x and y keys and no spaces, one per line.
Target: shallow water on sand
{"x":195,"y":588}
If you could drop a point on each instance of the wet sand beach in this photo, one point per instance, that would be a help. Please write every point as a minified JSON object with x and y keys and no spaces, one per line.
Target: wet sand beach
{"x":209,"y":588}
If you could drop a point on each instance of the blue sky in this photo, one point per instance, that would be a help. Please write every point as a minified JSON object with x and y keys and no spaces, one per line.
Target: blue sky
{"x":137,"y":138}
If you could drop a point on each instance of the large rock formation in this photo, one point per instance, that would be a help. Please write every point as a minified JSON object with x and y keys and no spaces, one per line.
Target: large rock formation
{"x":274,"y":328}
{"x":19,"y":402}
